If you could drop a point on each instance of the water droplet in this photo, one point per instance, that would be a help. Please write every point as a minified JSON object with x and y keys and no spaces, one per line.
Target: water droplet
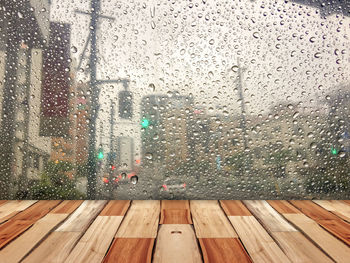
{"x":20,"y":15}
{"x":74,"y":49}
{"x":149,"y":156}
{"x":234,"y":68}
{"x":211,"y":41}
{"x":296,"y":114}
{"x":317,"y":55}
{"x":256,"y":35}
{"x":312,"y":39}
{"x":153,"y":25}
{"x":152,"y":87}
{"x":134,"y":179}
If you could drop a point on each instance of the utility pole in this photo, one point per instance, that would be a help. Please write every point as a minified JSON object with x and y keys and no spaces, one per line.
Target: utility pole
{"x":94,"y":97}
{"x":243,"y":110}
{"x":91,"y":187}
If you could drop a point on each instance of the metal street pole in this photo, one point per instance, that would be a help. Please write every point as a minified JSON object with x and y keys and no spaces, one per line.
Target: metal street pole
{"x":111,"y":150}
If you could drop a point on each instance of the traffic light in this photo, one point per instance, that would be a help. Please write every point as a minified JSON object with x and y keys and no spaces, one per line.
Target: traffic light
{"x":100,"y":154}
{"x":334,"y":151}
{"x":144,"y":123}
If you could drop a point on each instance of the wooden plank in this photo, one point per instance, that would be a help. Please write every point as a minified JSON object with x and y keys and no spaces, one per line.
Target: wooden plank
{"x":23,"y":220}
{"x":234,"y":208}
{"x":141,"y":221}
{"x":17,"y":249}
{"x":259,"y":244}
{"x":338,"y":228}
{"x":116,"y":208}
{"x":93,"y":246}
{"x":331,"y":245}
{"x":37,"y":210}
{"x":11,"y":208}
{"x":298,"y":248}
{"x":283,"y":207}
{"x":223,"y":250}
{"x":176,"y":243}
{"x":135,"y":250}
{"x":8,"y":216}
{"x":175,"y":212}
{"x":80,"y":220}
{"x":72,"y":230}
{"x":268,"y":217}
{"x":54,"y":249}
{"x":326,"y":219}
{"x":337,"y":207}
{"x":312,"y":210}
{"x":293,"y":243}
{"x":67,"y":207}
{"x":210,"y":221}
{"x":2,"y":202}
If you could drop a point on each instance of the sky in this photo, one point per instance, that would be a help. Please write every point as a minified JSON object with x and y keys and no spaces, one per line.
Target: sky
{"x":289,"y":53}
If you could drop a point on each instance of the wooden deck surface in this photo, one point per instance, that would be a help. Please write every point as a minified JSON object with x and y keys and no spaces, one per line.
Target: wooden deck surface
{"x":175,"y":231}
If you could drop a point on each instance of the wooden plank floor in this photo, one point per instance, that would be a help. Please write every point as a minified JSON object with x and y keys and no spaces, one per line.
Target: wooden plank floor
{"x":175,"y":231}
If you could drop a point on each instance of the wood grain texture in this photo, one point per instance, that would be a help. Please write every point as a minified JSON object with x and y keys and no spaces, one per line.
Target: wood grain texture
{"x":23,"y":220}
{"x":268,"y":217}
{"x":330,"y":244}
{"x":338,"y":228}
{"x":283,"y":207}
{"x":2,"y":202}
{"x":299,"y":249}
{"x":135,"y":250}
{"x":11,"y":208}
{"x":176,"y":243}
{"x":326,"y":219}
{"x":93,"y":246}
{"x":210,"y":221}
{"x":175,"y":212}
{"x":115,"y":208}
{"x":83,"y":216}
{"x":312,"y":210}
{"x":17,"y":249}
{"x":67,"y":207}
{"x":234,"y":208}
{"x":54,"y":249}
{"x":141,"y":220}
{"x":259,"y":244}
{"x":225,"y":250}
{"x":337,"y":207}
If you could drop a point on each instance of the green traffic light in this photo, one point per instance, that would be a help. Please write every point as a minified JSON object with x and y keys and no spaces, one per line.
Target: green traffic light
{"x":100,"y":154}
{"x":334,"y":151}
{"x":144,"y":123}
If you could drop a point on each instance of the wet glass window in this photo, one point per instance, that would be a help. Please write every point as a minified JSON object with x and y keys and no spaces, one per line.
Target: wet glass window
{"x":105,"y":99}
